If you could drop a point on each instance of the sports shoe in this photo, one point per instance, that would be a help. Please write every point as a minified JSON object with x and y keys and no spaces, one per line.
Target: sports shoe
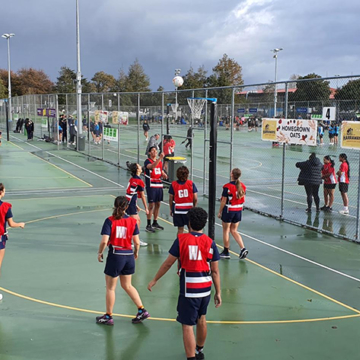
{"x":344,"y":212}
{"x":199,"y":356}
{"x":243,"y":253}
{"x":156,"y":226}
{"x":224,"y":255}
{"x":308,"y":210}
{"x":149,"y":228}
{"x":323,"y":207}
{"x":143,"y":243}
{"x":1,"y":297}
{"x":140,"y":316}
{"x":328,"y":209}
{"x":105,"y":320}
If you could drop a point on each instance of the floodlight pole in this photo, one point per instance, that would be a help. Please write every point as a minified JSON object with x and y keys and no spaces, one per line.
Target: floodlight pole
{"x":9,"y":119}
{"x":177,"y":73}
{"x":78,"y":75}
{"x":275,"y":51}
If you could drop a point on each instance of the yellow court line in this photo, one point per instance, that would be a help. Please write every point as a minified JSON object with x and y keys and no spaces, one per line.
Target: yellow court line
{"x":174,"y":320}
{"x":297,"y":283}
{"x":66,"y":172}
{"x":16,"y":145}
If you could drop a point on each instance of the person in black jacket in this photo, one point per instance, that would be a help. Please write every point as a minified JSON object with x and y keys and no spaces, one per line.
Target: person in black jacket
{"x":310,"y":177}
{"x":29,"y":126}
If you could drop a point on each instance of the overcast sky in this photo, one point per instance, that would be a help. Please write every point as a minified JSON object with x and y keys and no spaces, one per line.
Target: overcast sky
{"x":316,"y":35}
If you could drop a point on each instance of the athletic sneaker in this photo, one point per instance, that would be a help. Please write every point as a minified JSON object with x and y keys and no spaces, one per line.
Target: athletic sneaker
{"x":105,"y":320}
{"x":344,"y":212}
{"x":140,"y":316}
{"x":149,"y":228}
{"x":143,"y":243}
{"x":243,"y":253}
{"x":323,"y":207}
{"x":157,"y":226}
{"x":308,"y":210}
{"x":200,"y":356}
{"x":1,"y":297}
{"x":328,"y":209}
{"x":225,"y":255}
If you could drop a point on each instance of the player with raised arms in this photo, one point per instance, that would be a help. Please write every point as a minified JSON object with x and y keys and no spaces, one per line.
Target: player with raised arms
{"x":117,"y":232}
{"x":199,"y":258}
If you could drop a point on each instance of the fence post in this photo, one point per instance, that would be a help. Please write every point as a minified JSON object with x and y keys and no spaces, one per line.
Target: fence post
{"x":57,"y":119}
{"x":138,"y":129}
{"x":162,"y":115}
{"x":118,"y":107}
{"x":283,"y":158}
{"x":358,"y":207}
{"x":205,"y":138}
{"x":102,"y":136}
{"x":192,"y":143}
{"x":232,"y":127}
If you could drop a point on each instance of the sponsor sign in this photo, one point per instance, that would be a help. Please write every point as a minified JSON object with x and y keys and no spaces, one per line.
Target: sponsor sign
{"x":120,"y":117}
{"x":350,"y":135}
{"x":301,"y":110}
{"x":101,"y":116}
{"x":241,"y":110}
{"x":46,"y":112}
{"x":290,"y":131}
{"x":110,"y":134}
{"x":253,"y":110}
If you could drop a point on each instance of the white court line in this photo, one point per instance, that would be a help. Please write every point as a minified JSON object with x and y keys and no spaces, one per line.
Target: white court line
{"x":78,"y":166}
{"x":250,"y":237}
{"x":298,"y":256}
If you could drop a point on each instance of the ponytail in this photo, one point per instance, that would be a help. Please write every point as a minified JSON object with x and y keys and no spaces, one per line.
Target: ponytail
{"x":328,"y":158}
{"x":2,"y":187}
{"x":236,"y":173}
{"x":120,"y":206}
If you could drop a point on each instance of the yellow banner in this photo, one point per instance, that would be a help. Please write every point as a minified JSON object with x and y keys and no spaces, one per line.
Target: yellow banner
{"x":350,"y":134}
{"x":268,"y":129}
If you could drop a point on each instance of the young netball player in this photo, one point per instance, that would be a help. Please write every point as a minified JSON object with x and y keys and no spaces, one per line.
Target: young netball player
{"x":329,"y":176}
{"x":232,"y":201}
{"x":344,"y":179}
{"x":182,"y":197}
{"x":199,"y":258}
{"x":134,"y":189}
{"x":117,"y":232}
{"x":6,"y":217}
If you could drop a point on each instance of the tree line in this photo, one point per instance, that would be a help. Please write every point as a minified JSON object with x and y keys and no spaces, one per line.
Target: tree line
{"x":227,"y":72}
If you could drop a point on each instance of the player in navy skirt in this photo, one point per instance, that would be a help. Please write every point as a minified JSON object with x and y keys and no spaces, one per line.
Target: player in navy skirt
{"x":6,"y":217}
{"x":117,"y":232}
{"x":135,"y":189}
{"x":232,"y":201}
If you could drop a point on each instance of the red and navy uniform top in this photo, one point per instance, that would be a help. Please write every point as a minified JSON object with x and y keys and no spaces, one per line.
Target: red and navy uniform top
{"x":168,"y":147}
{"x":153,"y":177}
{"x":5,"y":214}
{"x":230,"y":193}
{"x":134,"y":187}
{"x":195,"y":251}
{"x":183,"y":192}
{"x":328,"y":169}
{"x":344,"y":176}
{"x":120,"y":234}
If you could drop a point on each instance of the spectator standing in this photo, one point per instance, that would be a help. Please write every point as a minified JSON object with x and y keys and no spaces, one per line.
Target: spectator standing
{"x":329,"y":176}
{"x":146,"y":128}
{"x":344,"y":180}
{"x":153,"y":142}
{"x":29,"y":126}
{"x":310,"y":177}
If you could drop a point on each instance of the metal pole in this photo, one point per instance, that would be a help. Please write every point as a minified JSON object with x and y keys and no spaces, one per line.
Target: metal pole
{"x":102,"y":137}
{"x":7,"y":122}
{"x":162,"y":113}
{"x":358,"y":207}
{"x":192,"y":143}
{"x":205,"y":138}
{"x":138,"y":129}
{"x":57,"y":118}
{"x":9,"y":78}
{"x":118,"y":106}
{"x":275,"y":85}
{"x":283,"y":159}
{"x":78,"y":74}
{"x":212,"y":172}
{"x":89,"y":140}
{"x":232,"y":127}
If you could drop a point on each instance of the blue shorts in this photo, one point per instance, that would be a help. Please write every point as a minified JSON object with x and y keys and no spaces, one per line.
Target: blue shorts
{"x":119,"y":264}
{"x":191,"y":309}
{"x":2,"y":244}
{"x":180,"y":220}
{"x":131,"y":210}
{"x":154,"y":194}
{"x":231,"y":216}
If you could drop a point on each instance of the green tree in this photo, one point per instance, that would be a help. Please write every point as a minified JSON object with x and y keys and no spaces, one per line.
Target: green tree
{"x":65,"y":83}
{"x":136,"y":79}
{"x":316,"y":90}
{"x":227,"y":72}
{"x":103,"y":82}
{"x":195,"y":80}
{"x":34,"y":82}
{"x":15,"y":82}
{"x":350,"y":91}
{"x":3,"y":90}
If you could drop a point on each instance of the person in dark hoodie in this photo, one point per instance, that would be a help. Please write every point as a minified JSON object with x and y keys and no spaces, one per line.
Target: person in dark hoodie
{"x":310,"y":177}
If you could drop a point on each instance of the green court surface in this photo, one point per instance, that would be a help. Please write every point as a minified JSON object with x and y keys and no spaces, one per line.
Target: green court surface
{"x":295,"y":297}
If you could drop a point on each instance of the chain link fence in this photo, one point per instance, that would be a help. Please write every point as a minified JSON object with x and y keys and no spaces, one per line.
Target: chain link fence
{"x":111,"y":130}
